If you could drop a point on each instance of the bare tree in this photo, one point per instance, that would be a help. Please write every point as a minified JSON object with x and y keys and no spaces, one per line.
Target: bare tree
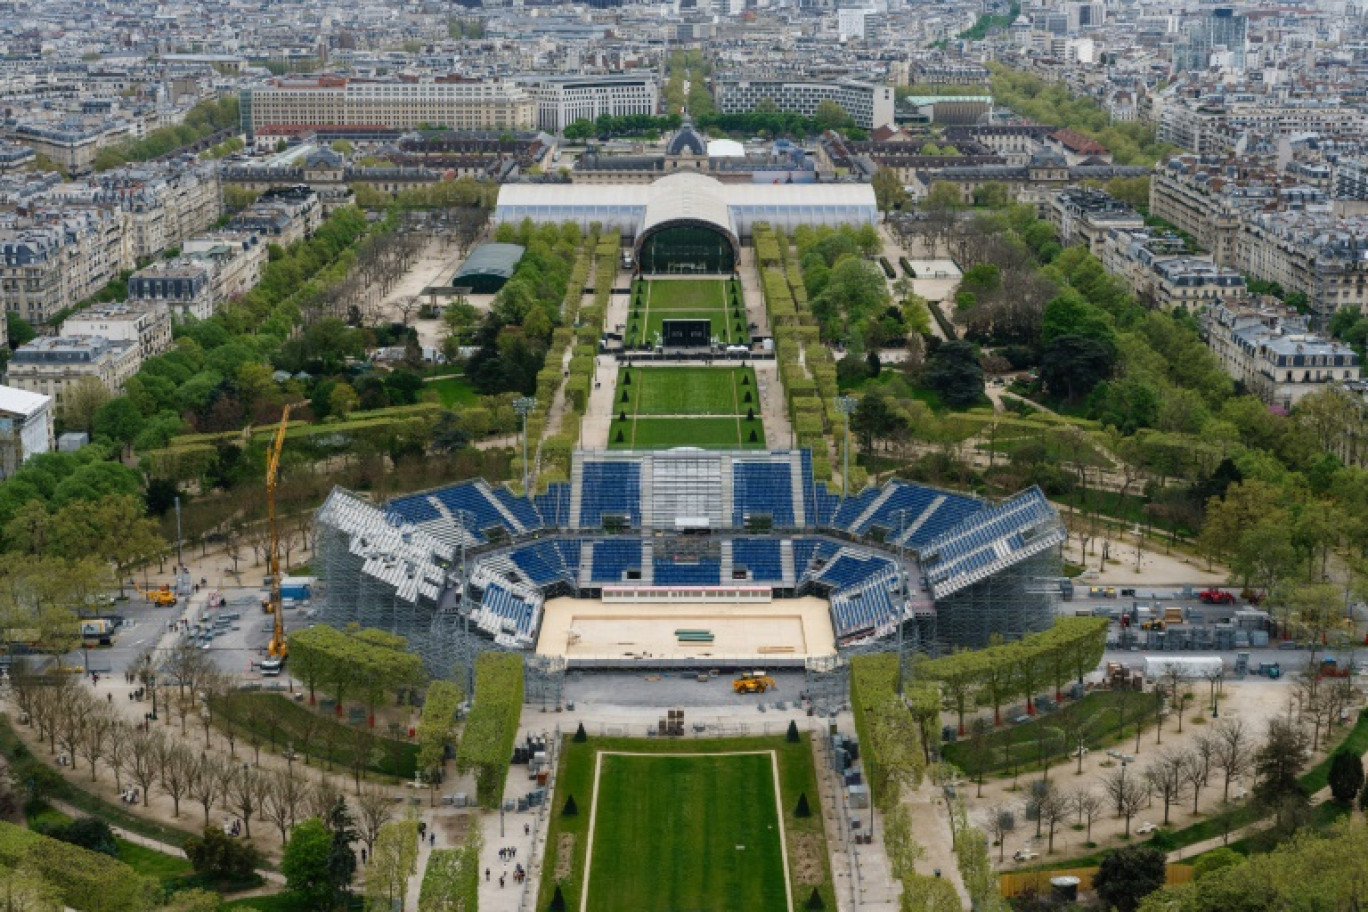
{"x":1088,"y":805}
{"x":374,"y":808}
{"x":70,"y":723}
{"x":1052,"y":808}
{"x":177,"y":771}
{"x":206,"y":782}
{"x":142,"y":761}
{"x":306,"y":732}
{"x":1194,"y":774}
{"x":246,"y":794}
{"x":363,"y":752}
{"x":1127,"y":793}
{"x":1164,"y":776}
{"x":1233,"y":752}
{"x":283,"y":799}
{"x":120,"y":736}
{"x":322,"y":798}
{"x":1176,"y":684}
{"x":1001,"y":821}
{"x":95,"y":740}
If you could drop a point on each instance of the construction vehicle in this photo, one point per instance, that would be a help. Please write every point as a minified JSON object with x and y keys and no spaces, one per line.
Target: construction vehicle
{"x":1215,"y":597}
{"x":753,"y":682}
{"x":277,"y":650}
{"x":1155,"y":624}
{"x":161,"y":598}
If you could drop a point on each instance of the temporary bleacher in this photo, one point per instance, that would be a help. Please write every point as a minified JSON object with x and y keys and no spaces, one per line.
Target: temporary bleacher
{"x":544,"y":562}
{"x":614,"y":557}
{"x":506,"y":608}
{"x":523,"y":510}
{"x":554,"y":506}
{"x":393,"y":553}
{"x":475,"y":499}
{"x":762,"y":488}
{"x":761,"y":558}
{"x":609,"y":488}
{"x":992,"y":540}
{"x":705,"y":571}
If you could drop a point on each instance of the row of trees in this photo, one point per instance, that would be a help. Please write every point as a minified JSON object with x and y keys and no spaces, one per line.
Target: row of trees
{"x":1021,"y":669}
{"x":365,"y":664}
{"x":491,"y":728}
{"x":204,"y":119}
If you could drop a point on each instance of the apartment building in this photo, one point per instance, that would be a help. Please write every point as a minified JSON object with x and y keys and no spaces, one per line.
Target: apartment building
{"x":1085,"y":216}
{"x":1317,"y":254}
{"x":451,"y":102}
{"x":72,"y":147}
{"x":1162,"y":274}
{"x":25,"y":427}
{"x":869,"y":105}
{"x":1273,"y":354}
{"x":144,"y":322}
{"x":184,"y":286}
{"x":234,"y":260}
{"x":52,"y":365}
{"x":1212,"y":125}
{"x":50,"y":264}
{"x":282,"y":215}
{"x":562,"y":100}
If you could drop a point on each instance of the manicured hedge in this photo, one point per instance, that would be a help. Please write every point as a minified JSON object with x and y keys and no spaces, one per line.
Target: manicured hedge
{"x":492,"y":727}
{"x":86,"y":880}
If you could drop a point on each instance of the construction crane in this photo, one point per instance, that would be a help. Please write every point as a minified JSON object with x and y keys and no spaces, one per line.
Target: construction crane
{"x":277,"y":650}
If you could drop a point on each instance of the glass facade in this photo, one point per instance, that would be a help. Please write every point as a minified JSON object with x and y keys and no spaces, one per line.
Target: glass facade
{"x":687,"y":249}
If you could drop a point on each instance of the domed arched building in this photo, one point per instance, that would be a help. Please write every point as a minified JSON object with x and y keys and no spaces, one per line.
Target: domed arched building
{"x":687,"y":227}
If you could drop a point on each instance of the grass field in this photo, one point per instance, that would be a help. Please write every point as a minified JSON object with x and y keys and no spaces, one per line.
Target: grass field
{"x":454,"y":391}
{"x":666,"y":828}
{"x":684,"y":299}
{"x":717,"y":395}
{"x":661,"y":843}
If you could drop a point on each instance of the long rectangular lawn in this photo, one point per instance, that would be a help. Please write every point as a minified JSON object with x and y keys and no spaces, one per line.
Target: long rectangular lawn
{"x":664,"y":433}
{"x":689,"y":390}
{"x":670,"y":833}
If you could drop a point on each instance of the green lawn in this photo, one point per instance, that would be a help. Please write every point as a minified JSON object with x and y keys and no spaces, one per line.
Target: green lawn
{"x":1018,"y":748}
{"x":687,"y":390}
{"x":454,"y":391}
{"x":669,"y":834}
{"x":151,"y":862}
{"x":663,"y":433}
{"x":684,"y":299}
{"x":667,"y":829}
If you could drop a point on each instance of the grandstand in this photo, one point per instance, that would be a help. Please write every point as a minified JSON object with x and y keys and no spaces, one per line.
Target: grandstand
{"x":947,"y":568}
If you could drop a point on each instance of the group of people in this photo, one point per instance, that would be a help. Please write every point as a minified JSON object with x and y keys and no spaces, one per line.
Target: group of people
{"x":129,"y":796}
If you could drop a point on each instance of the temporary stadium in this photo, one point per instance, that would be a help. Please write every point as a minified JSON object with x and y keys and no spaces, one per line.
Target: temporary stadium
{"x":688,"y":558}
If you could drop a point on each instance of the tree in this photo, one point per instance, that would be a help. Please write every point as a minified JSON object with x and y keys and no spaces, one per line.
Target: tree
{"x":1001,"y":821}
{"x":1126,"y":793}
{"x":802,"y":810}
{"x":1072,"y":365}
{"x":1346,"y":776}
{"x":1277,"y":764}
{"x":80,"y":402}
{"x":283,"y":798}
{"x":393,"y":860}
{"x":304,"y":862}
{"x":1165,"y":778}
{"x":791,"y":735}
{"x":341,"y":859}
{"x":1233,"y":748}
{"x":1088,"y":805}
{"x":375,"y":808}
{"x":830,"y":116}
{"x":218,"y":857}
{"x":889,"y":191}
{"x":955,"y":373}
{"x":1127,"y":876}
{"x":119,"y":420}
{"x":943,"y":195}
{"x":1052,"y":807}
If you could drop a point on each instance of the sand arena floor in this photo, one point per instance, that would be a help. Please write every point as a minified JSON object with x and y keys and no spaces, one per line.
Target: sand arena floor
{"x":590,"y":629}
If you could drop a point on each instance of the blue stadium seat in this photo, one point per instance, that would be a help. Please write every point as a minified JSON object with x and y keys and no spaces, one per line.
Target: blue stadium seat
{"x":610,"y":488}
{"x":901,"y":509}
{"x":542,"y":562}
{"x":761,"y":556}
{"x":854,"y":505}
{"x":415,"y":509}
{"x":554,"y":505}
{"x":762,"y":487}
{"x":704,"y":572}
{"x":520,"y":507}
{"x":613,"y":557}
{"x":470,"y":498}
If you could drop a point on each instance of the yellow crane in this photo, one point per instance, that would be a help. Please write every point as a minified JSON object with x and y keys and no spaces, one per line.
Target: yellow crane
{"x":277,"y":649}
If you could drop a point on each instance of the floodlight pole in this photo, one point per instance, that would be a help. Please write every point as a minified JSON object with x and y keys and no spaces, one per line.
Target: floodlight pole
{"x":522,"y":405}
{"x":902,"y":589}
{"x":845,"y":405}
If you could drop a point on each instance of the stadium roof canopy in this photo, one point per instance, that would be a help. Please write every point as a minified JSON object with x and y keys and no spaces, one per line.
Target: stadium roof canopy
{"x":489,"y":265}
{"x":635,"y":208}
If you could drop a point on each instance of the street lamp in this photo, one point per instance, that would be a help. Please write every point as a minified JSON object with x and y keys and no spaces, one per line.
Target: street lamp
{"x":523,"y":405}
{"x":1121,"y":792}
{"x":845,"y":405}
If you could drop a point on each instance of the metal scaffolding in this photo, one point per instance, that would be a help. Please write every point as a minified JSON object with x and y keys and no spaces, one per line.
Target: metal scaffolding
{"x":1018,"y":600}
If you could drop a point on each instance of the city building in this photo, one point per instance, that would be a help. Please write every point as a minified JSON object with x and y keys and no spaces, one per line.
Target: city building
{"x":25,"y":427}
{"x":52,"y":365}
{"x":1272,"y":353}
{"x":868,"y":104}
{"x":1217,"y":34}
{"x":1317,"y":254}
{"x":450,"y":102}
{"x":562,"y":100}
{"x":1085,"y":216}
{"x":184,"y":286}
{"x":145,"y":322}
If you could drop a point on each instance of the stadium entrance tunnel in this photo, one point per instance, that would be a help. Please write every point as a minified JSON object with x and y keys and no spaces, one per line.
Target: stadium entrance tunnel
{"x":686,"y":246}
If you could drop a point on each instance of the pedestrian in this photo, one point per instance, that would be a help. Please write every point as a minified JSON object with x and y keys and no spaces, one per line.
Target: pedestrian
{"x":527,"y":829}
{"x":486,"y":875}
{"x":363,"y":856}
{"x":432,"y":840}
{"x":501,"y":881}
